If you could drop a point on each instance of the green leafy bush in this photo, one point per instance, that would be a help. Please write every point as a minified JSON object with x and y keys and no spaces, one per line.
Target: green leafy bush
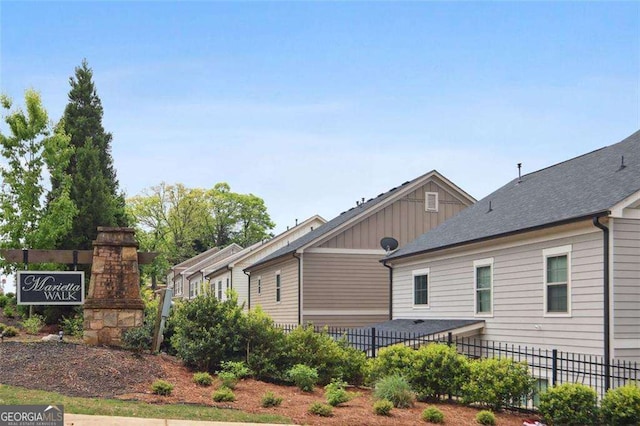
{"x":162,"y":387}
{"x":320,"y":409}
{"x":73,"y":326}
{"x":391,"y":360}
{"x":269,"y":399}
{"x":621,"y":406}
{"x":497,"y":383}
{"x":202,"y":378}
{"x":336,"y":394}
{"x":33,"y":325}
{"x":438,"y":370}
{"x":208,"y":331}
{"x":432,"y":415}
{"x":303,"y":377}
{"x":224,"y":394}
{"x":330,"y":358}
{"x":396,"y":389}
{"x":228,"y":379}
{"x":8,"y":331}
{"x":382,"y":407}
{"x":9,"y":311}
{"x":238,"y":368}
{"x":266,"y":346}
{"x":4,"y":300}
{"x":570,"y":404}
{"x":138,"y":339}
{"x":485,"y":417}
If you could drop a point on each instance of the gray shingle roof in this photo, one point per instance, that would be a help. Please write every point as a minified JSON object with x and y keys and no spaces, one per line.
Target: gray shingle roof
{"x":587,"y":185}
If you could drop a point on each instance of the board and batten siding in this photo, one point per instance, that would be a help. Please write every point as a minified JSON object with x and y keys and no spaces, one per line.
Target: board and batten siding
{"x":626,"y":289}
{"x":405,"y":219}
{"x":345,"y":289}
{"x":285,"y":311}
{"x":518,"y":293}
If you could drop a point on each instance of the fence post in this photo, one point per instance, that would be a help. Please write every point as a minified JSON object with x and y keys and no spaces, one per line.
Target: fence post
{"x":554,"y":366}
{"x":449,"y":338}
{"x":373,"y":342}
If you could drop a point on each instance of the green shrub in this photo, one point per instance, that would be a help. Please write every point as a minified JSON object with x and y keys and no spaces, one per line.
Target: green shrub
{"x":621,"y":406}
{"x":73,"y":326}
{"x":438,"y":370}
{"x":228,"y":379}
{"x":4,"y":300}
{"x":497,"y":383}
{"x":33,"y":325}
{"x":9,"y":311}
{"x":432,"y":415}
{"x":570,"y":404}
{"x":391,"y":360}
{"x":303,"y":377}
{"x":336,"y":394}
{"x":320,"y":409}
{"x":269,"y":399}
{"x":382,"y":407}
{"x":162,"y":387}
{"x":485,"y":417}
{"x":202,"y":378}
{"x":224,"y":394}
{"x":396,"y":389}
{"x":331,"y":358}
{"x":238,"y":368}
{"x":8,"y":331}
{"x":138,"y":339}
{"x":208,"y":331}
{"x":266,"y":347}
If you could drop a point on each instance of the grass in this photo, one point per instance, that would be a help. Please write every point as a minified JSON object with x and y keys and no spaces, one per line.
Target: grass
{"x":113,"y":407}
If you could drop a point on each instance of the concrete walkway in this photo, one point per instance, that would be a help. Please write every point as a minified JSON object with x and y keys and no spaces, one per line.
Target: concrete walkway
{"x":86,"y":420}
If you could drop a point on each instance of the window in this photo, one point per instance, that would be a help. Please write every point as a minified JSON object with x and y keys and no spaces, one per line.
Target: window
{"x":557,"y":273}
{"x":192,"y":290}
{"x":421,"y":287}
{"x":431,"y":201}
{"x":259,"y":285}
{"x":483,"y":286}
{"x":219,"y":290}
{"x":278,"y":287}
{"x":227,"y":283}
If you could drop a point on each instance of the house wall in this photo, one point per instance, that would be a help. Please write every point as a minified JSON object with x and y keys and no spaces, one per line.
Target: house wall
{"x":344,"y":289}
{"x":626,"y":289}
{"x":518,"y":290}
{"x":285,"y":311}
{"x":404,"y":219}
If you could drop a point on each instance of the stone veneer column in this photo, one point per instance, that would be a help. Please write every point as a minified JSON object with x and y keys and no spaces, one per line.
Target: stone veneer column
{"x":113,"y":304}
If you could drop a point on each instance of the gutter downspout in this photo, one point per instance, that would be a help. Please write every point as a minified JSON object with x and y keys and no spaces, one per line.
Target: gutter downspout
{"x":230,"y":277}
{"x":248,"y":289}
{"x":384,"y":263}
{"x":299,"y":288}
{"x":606,"y":310}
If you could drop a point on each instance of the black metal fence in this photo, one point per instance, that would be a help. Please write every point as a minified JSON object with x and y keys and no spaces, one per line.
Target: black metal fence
{"x":549,"y":366}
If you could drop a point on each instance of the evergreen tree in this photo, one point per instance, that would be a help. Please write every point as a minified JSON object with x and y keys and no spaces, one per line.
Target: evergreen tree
{"x":94,"y":187}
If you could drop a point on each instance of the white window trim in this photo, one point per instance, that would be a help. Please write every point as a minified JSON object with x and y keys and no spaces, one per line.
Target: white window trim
{"x":426,"y":201}
{"x":553,"y":252}
{"x":414,"y":273}
{"x":219,"y":293}
{"x":478,"y":264}
{"x":276,"y":275}
{"x":259,"y":285}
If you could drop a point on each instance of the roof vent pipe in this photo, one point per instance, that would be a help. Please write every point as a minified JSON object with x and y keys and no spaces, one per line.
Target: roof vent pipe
{"x":490,"y":208}
{"x":519,"y":172}
{"x":296,"y":222}
{"x":622,"y":165}
{"x":362,"y":202}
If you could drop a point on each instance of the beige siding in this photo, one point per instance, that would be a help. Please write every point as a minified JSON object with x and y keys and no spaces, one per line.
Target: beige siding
{"x":345,"y":289}
{"x":518,"y":293}
{"x":286,"y":311}
{"x":405,"y":219}
{"x":626,"y":288}
{"x":344,"y":321}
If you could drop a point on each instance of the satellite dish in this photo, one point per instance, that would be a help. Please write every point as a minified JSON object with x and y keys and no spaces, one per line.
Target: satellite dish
{"x":389,"y":243}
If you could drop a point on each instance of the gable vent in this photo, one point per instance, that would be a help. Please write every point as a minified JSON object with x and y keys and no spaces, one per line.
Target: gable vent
{"x":431,"y":201}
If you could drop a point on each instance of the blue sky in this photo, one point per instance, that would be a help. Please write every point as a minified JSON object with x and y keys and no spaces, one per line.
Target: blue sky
{"x":314,"y":105}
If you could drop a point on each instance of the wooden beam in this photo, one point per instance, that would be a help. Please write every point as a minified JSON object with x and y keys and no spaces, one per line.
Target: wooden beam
{"x":85,"y":257}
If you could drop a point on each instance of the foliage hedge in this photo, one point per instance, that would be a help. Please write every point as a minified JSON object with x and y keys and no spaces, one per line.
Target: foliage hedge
{"x":621,"y":406}
{"x":569,"y":404}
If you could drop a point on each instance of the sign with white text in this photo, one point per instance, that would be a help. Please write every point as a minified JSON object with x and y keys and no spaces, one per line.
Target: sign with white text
{"x":50,"y":288}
